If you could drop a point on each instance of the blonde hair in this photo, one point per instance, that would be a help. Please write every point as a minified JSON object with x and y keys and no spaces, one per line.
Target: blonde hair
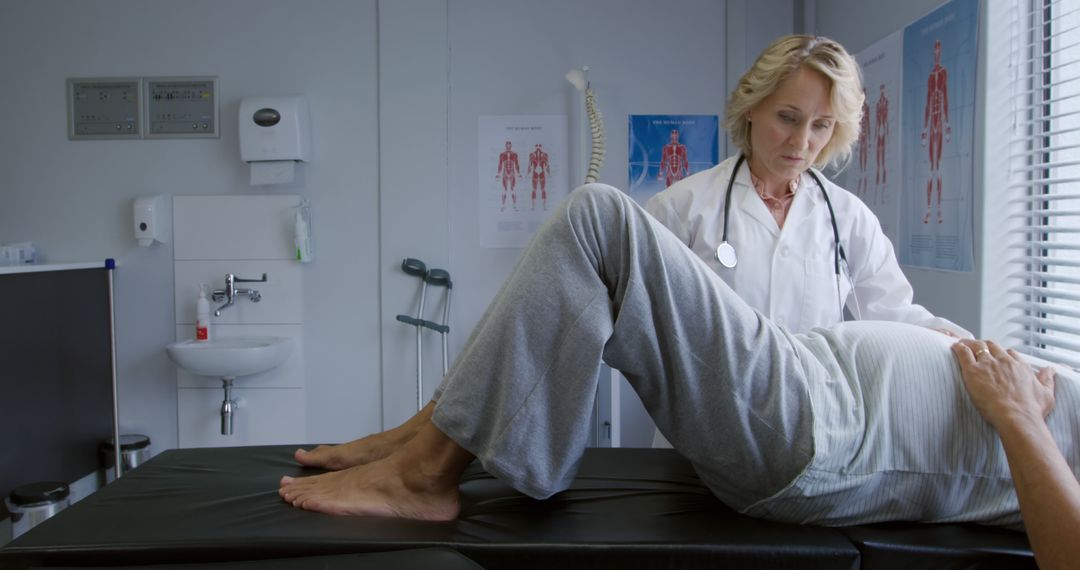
{"x":781,"y":60}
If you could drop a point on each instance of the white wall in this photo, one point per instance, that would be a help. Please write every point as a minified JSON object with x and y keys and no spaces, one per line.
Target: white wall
{"x":443,"y":65}
{"x":751,"y":26}
{"x":73,"y":199}
{"x":956,"y":296}
{"x":395,"y":88}
{"x":510,"y":58}
{"x":1002,"y":218}
{"x":413,"y":69}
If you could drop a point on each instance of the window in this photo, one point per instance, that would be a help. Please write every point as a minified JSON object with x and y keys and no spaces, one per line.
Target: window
{"x":1045,"y":159}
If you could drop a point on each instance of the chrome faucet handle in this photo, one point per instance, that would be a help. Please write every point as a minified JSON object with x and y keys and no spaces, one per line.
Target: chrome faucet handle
{"x":229,"y":293}
{"x":228,"y":303}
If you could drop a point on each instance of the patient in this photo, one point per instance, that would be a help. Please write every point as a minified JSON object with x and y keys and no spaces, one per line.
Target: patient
{"x":1016,"y":404}
{"x":858,"y":423}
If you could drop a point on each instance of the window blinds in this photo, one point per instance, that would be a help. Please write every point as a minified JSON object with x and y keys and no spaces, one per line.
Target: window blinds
{"x":1045,"y":165}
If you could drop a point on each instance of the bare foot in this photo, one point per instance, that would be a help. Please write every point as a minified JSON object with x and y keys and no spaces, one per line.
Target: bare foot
{"x":377,"y":489}
{"x":366,"y":449}
{"x":357,"y":452}
{"x":419,"y":481}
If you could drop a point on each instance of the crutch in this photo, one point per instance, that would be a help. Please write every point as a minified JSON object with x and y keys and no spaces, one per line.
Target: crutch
{"x":441,"y":278}
{"x":417,"y":268}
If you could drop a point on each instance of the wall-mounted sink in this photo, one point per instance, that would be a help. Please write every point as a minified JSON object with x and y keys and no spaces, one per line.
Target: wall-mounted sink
{"x":230,"y":357}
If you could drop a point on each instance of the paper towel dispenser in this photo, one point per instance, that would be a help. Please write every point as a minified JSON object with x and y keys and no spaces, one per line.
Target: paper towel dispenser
{"x":274,"y":135}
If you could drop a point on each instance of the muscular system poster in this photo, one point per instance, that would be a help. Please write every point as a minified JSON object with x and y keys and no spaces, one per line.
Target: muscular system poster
{"x":523,"y":173}
{"x":667,"y":148}
{"x":936,"y":212}
{"x":874,"y":171}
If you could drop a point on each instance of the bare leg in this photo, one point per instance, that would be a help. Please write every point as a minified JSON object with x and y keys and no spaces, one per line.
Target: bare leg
{"x":366,"y":449}
{"x":418,"y":481}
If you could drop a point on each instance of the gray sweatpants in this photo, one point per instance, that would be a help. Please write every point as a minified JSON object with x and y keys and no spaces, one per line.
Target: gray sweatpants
{"x":602,"y":280}
{"x":862,"y":422}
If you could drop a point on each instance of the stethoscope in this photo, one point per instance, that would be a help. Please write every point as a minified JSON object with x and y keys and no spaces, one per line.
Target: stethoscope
{"x":725,"y":252}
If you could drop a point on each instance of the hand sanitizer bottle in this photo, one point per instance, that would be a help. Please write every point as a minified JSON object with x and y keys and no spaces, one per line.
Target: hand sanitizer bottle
{"x":202,"y":315}
{"x":302,"y":234}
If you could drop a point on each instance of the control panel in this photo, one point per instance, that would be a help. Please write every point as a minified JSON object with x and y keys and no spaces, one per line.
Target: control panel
{"x":104,"y":108}
{"x":181,"y":107}
{"x":142,"y":107}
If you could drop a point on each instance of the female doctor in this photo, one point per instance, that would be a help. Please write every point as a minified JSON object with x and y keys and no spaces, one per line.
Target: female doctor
{"x":795,"y":246}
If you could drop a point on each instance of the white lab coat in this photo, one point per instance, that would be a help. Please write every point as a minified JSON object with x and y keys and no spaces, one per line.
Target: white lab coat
{"x":788,"y":274}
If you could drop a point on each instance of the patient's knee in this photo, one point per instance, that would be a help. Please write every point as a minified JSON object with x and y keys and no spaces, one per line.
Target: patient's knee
{"x":596,"y":198}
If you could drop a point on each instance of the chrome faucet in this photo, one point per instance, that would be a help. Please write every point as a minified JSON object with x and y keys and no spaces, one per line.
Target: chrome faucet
{"x":230,"y":292}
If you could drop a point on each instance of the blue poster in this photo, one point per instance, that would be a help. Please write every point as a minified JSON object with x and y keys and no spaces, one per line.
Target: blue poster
{"x":667,"y":148}
{"x":938,"y":121}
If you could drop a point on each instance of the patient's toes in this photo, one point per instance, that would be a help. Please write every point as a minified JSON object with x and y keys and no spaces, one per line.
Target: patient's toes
{"x":314,"y":458}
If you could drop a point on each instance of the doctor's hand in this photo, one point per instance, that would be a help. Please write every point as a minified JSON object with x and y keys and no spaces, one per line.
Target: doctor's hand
{"x":1004,"y":389}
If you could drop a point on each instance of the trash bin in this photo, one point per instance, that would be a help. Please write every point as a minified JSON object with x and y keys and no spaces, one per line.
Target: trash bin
{"x":134,"y":451}
{"x":31,"y":504}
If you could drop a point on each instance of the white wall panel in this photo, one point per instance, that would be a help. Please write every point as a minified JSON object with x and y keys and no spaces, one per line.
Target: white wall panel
{"x":282,"y":293}
{"x":204,"y":222}
{"x":234,"y":227}
{"x":262,"y":417}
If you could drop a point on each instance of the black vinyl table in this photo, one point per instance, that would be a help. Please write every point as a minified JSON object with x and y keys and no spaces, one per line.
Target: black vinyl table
{"x":627,"y":508}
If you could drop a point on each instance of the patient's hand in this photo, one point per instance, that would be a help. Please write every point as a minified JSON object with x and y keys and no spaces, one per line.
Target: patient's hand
{"x":1004,"y":389}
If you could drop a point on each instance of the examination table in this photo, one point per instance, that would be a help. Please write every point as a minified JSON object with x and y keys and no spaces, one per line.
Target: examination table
{"x":627,"y":508}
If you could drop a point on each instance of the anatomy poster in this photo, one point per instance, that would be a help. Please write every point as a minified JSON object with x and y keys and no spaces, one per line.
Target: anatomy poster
{"x":874,"y":171}
{"x":523,"y":174}
{"x":667,"y":148}
{"x":937,"y":213}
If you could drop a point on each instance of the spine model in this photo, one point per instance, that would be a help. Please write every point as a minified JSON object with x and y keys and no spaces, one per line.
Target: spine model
{"x":596,"y":125}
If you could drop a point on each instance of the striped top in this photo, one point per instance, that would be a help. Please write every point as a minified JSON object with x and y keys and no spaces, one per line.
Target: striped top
{"x":897,"y":437}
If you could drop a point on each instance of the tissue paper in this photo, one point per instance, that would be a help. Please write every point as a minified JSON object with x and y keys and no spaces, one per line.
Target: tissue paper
{"x":272,"y":172}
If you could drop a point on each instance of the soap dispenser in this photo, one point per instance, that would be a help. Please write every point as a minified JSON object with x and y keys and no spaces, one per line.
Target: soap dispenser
{"x":202,"y":315}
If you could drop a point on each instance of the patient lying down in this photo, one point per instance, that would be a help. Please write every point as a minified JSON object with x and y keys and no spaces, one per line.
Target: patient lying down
{"x":859,"y":423}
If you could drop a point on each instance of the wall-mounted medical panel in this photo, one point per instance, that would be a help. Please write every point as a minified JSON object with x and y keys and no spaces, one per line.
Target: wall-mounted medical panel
{"x":104,"y":108}
{"x":181,"y":107}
